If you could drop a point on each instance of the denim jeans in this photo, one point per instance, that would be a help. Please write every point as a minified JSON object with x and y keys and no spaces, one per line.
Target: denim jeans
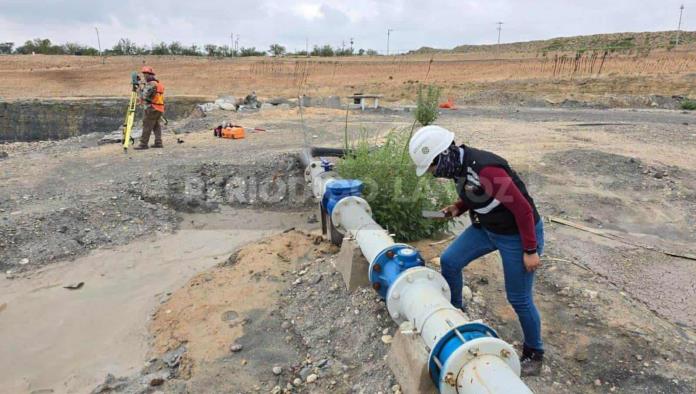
{"x":475,"y":242}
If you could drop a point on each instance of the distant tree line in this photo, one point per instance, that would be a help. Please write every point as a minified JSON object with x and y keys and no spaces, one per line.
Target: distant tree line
{"x":125,"y":47}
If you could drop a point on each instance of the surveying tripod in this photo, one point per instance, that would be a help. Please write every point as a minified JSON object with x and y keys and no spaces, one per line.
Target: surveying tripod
{"x":130,"y":113}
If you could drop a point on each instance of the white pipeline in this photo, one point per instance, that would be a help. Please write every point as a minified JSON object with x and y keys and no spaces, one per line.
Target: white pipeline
{"x":354,"y":216}
{"x":421,"y":296}
{"x":472,"y":361}
{"x":489,"y":374}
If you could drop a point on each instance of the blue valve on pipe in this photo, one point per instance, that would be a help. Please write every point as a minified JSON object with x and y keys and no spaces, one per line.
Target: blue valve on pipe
{"x":326,"y":165}
{"x":390,"y":264}
{"x":339,"y":189}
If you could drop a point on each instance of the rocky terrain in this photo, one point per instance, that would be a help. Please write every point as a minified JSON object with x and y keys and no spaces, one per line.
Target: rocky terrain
{"x":274,"y":316}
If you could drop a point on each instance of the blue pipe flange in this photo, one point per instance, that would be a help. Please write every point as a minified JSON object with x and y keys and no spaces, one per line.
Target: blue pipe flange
{"x":451,"y":342}
{"x":339,"y":189}
{"x":390,"y":263}
{"x":451,"y":381}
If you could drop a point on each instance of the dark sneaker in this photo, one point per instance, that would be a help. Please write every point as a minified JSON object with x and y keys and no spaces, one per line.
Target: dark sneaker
{"x":156,"y":145}
{"x":140,"y":147}
{"x":531,"y":362}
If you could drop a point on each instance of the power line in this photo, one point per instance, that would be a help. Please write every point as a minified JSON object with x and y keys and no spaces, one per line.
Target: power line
{"x":98,"y":40}
{"x":681,"y":11}
{"x":388,"y":36}
{"x":99,"y":43}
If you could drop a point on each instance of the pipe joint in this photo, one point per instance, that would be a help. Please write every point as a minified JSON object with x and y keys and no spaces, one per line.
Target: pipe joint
{"x":390,"y":263}
{"x":338,"y":189}
{"x":465,"y":344}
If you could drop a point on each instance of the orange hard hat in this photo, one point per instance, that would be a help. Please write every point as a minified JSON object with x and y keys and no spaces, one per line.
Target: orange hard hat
{"x":147,"y":70}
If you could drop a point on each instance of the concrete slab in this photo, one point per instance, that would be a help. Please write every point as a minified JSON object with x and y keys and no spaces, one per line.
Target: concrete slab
{"x":408,"y":361}
{"x":352,"y":265}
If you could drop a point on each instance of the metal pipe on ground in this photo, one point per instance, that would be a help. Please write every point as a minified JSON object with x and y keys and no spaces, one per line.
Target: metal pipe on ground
{"x":307,"y":155}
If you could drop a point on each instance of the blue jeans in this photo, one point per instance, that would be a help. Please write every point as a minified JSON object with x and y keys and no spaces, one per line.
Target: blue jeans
{"x":476,"y":242}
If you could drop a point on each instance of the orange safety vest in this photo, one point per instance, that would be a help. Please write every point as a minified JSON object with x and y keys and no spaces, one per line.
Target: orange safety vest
{"x":157,"y":101}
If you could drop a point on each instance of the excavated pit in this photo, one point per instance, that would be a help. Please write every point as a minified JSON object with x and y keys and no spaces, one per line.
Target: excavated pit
{"x":117,"y":212}
{"x":204,"y":187}
{"x":38,"y":120}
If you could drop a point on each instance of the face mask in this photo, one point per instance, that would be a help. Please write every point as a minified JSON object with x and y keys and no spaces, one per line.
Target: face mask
{"x":449,"y":163}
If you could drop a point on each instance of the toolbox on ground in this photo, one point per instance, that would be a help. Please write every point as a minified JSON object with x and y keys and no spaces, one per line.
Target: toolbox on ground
{"x":233,"y":132}
{"x":230,"y":131}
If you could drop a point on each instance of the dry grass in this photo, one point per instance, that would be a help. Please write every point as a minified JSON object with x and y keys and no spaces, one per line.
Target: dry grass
{"x":660,"y":72}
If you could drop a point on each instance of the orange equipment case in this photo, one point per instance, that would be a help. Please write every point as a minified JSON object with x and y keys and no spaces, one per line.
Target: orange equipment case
{"x":235,"y":132}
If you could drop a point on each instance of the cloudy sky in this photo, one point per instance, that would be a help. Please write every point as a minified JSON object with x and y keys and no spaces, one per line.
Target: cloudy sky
{"x":416,"y":23}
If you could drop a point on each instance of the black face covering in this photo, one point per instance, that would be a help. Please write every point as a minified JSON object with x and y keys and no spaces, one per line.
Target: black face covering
{"x":450,"y":163}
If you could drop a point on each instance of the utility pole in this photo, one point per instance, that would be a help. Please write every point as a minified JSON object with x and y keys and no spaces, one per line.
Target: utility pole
{"x":681,"y":11}
{"x":306,"y":40}
{"x":351,"y":45}
{"x":99,"y":44}
{"x":500,"y":28}
{"x":231,"y":41}
{"x":388,"y":36}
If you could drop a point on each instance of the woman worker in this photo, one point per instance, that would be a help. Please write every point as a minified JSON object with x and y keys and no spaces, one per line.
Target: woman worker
{"x":503,"y":218}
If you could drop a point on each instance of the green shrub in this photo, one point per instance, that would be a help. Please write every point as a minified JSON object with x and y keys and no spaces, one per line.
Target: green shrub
{"x":427,"y":104}
{"x":689,"y":105}
{"x":397,"y":196}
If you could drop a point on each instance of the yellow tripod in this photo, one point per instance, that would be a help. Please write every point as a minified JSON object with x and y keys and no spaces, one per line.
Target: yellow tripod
{"x":130,"y":113}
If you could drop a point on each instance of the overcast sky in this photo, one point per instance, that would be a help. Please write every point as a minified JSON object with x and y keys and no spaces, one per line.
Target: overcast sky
{"x":416,"y":23}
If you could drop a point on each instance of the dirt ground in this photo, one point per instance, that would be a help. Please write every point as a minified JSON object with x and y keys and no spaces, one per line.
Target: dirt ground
{"x":54,"y":333}
{"x":531,"y":78}
{"x":619,"y":313}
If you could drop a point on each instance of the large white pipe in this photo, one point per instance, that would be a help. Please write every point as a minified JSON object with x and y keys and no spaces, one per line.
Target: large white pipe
{"x":489,"y":374}
{"x":421,"y":297}
{"x":475,"y":365}
{"x":354,"y":216}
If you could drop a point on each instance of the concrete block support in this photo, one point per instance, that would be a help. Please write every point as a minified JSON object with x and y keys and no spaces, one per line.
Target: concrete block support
{"x":352,"y":265}
{"x":408,"y":361}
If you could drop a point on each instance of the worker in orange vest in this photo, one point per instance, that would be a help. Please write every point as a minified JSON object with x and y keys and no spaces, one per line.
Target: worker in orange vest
{"x":153,"y":101}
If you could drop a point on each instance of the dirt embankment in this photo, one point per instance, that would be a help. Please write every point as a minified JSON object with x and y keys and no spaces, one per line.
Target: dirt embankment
{"x":287,"y":324}
{"x":37,"y":120}
{"x":619,"y":80}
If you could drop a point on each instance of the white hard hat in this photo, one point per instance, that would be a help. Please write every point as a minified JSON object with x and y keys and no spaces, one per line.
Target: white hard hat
{"x":426,"y":144}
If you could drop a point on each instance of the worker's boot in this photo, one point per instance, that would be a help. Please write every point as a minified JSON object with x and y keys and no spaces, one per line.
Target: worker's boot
{"x":157,"y":144}
{"x":531,"y":361}
{"x":141,"y":147}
